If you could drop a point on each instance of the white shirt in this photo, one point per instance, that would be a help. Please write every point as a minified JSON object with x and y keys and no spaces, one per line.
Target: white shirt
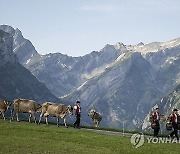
{"x":176,"y":117}
{"x":75,"y":108}
{"x":157,"y":115}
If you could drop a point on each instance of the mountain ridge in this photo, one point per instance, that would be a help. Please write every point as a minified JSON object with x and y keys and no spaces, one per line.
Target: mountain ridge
{"x":16,"y":81}
{"x":117,"y":80}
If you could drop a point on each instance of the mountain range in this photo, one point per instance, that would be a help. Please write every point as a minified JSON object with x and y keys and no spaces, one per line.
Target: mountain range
{"x":16,"y":81}
{"x":122,"y":82}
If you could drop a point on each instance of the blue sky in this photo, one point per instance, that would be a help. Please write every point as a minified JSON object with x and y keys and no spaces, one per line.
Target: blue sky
{"x":77,"y":27}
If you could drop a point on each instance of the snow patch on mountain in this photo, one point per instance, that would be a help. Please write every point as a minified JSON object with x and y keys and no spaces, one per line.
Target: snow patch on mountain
{"x":81,"y":85}
{"x":95,"y":72}
{"x":28,"y":61}
{"x":121,"y":56}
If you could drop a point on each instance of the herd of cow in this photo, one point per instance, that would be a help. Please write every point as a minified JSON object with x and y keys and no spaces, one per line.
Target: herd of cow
{"x":46,"y":109}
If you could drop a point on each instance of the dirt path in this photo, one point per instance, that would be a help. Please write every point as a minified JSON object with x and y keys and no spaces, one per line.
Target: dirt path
{"x":108,"y":132}
{"x":82,"y":129}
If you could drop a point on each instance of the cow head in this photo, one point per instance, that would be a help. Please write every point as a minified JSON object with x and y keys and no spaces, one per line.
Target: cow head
{"x":8,"y":104}
{"x":91,"y":112}
{"x":169,"y":119}
{"x":39,"y":107}
{"x":70,"y":109}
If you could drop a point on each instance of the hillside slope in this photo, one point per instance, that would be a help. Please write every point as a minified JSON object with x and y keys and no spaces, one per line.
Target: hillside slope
{"x":30,"y":138}
{"x":123,"y":93}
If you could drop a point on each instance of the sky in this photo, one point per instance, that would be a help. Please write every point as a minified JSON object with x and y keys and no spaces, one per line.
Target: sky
{"x":78,"y":27}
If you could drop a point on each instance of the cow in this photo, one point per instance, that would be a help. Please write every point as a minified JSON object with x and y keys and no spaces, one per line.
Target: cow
{"x":96,"y":117}
{"x":4,"y":106}
{"x":25,"y":106}
{"x":55,"y":110}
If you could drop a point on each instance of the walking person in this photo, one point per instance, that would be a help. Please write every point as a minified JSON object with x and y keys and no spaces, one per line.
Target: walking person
{"x":156,"y":117}
{"x":77,"y":110}
{"x":174,"y":119}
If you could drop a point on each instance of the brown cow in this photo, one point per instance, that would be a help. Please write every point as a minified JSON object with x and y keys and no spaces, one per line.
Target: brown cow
{"x":55,"y":110}
{"x":26,"y":106}
{"x":4,"y":105}
{"x":96,"y":117}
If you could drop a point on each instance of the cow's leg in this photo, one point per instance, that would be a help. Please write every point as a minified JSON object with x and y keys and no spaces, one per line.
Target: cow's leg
{"x":46,"y":120}
{"x":12,"y":115}
{"x":98,"y":124}
{"x":40,"y":118}
{"x":65,"y":122}
{"x":17,"y":117}
{"x":94,"y":122}
{"x":57,"y":121}
{"x":30,"y":115}
{"x":3,"y":116}
{"x":34,"y":117}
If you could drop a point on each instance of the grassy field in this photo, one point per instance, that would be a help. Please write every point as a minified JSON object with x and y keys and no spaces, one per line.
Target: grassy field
{"x":30,"y":138}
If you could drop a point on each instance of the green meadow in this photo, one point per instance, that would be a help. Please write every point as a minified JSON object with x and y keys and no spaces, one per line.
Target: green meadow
{"x":28,"y":138}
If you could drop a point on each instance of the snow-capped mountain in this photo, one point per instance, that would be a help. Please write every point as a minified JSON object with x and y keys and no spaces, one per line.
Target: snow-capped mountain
{"x":121,"y":81}
{"x":59,"y":72}
{"x":121,"y":93}
{"x":22,"y":47}
{"x":6,"y":49}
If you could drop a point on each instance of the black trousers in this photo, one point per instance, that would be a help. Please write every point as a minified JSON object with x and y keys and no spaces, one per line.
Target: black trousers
{"x":175,"y":131}
{"x":77,"y":122}
{"x":157,"y":128}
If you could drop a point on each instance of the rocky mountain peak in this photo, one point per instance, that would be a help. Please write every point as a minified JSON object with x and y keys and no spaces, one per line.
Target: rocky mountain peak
{"x":120,"y":46}
{"x":16,"y":81}
{"x":171,"y":43}
{"x":7,"y":29}
{"x":6,"y":52}
{"x":22,"y":47}
{"x":140,"y":44}
{"x":107,"y":47}
{"x":18,"y":37}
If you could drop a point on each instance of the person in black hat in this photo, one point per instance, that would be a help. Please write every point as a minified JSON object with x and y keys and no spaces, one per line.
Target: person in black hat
{"x":156,"y":118}
{"x":174,"y":119}
{"x":77,"y":110}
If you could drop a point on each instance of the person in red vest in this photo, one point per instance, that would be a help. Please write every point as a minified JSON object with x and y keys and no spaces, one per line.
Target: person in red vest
{"x":77,"y":110}
{"x":174,"y":119}
{"x":156,"y":117}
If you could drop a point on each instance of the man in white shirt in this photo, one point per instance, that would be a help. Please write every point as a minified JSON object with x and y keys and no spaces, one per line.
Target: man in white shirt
{"x":174,"y":119}
{"x":77,"y":110}
{"x":156,"y":117}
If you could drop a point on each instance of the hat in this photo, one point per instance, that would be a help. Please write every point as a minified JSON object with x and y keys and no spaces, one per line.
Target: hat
{"x":77,"y":101}
{"x":175,"y":110}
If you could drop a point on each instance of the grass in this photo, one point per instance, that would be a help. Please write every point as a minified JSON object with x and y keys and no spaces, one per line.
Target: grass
{"x":30,"y":138}
{"x":96,"y":128}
